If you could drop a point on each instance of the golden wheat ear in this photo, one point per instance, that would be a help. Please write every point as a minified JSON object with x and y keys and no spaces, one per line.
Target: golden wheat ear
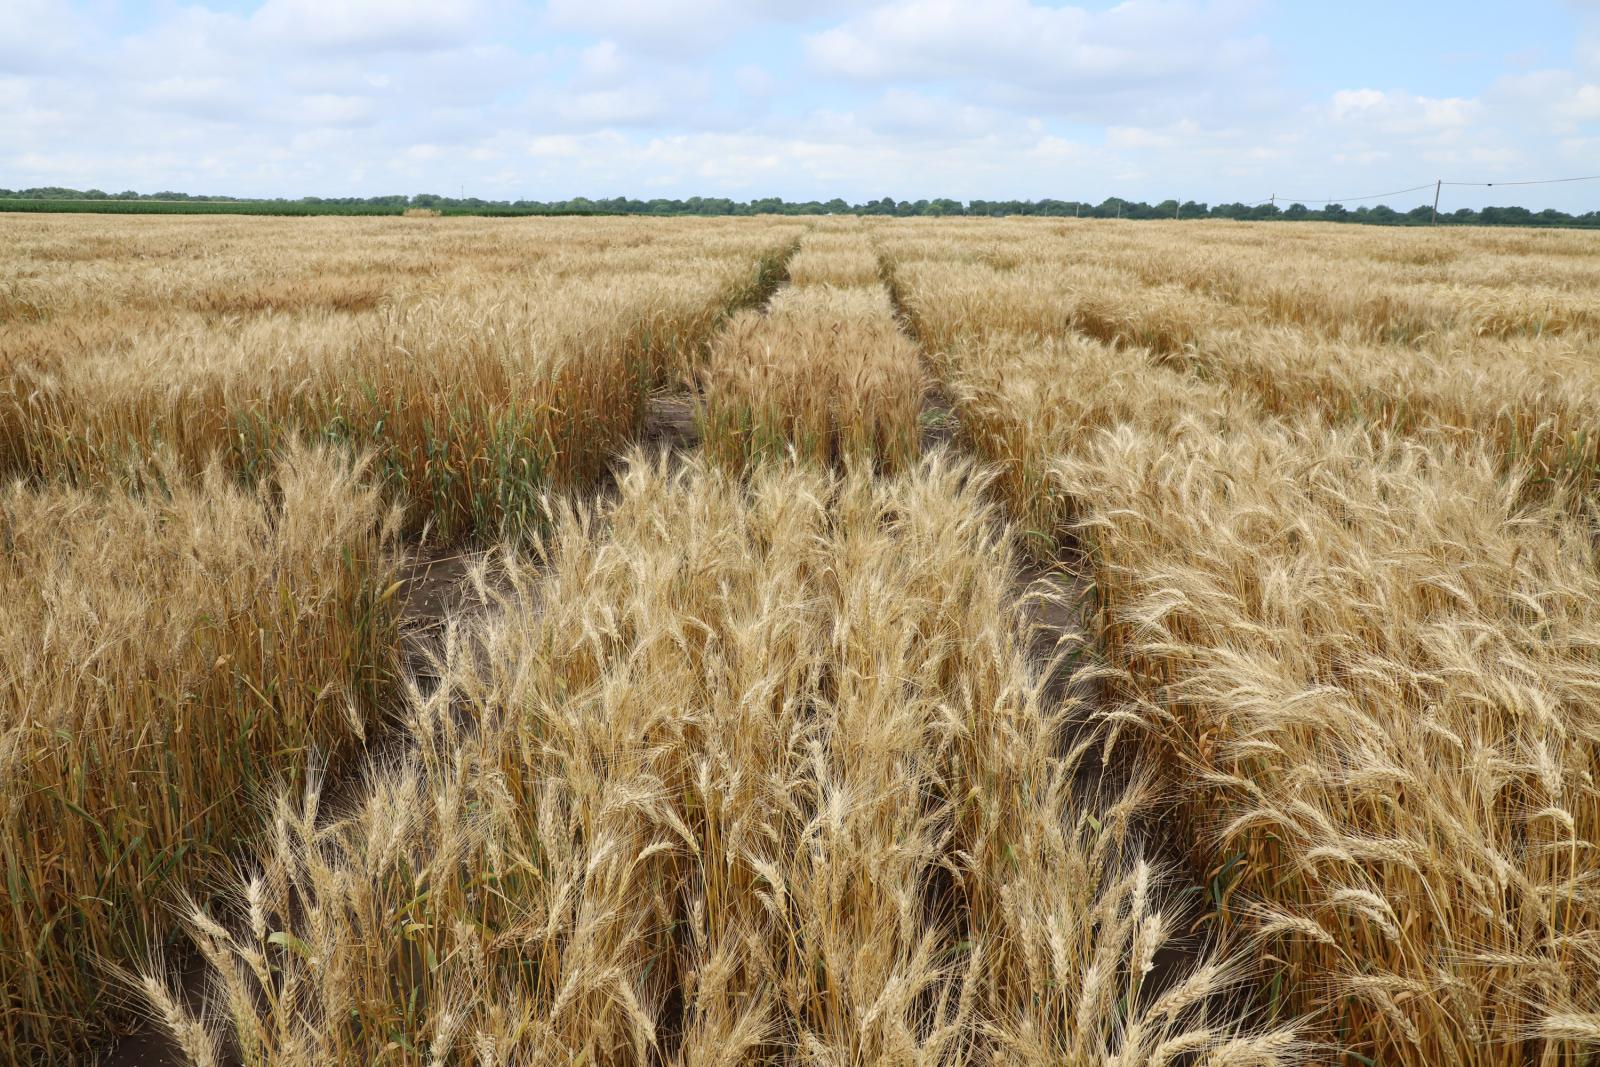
{"x":164,"y":1004}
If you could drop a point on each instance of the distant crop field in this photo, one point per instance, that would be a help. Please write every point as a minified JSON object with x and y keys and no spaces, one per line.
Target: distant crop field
{"x":434,"y":640}
{"x":30,"y":205}
{"x":189,"y":207}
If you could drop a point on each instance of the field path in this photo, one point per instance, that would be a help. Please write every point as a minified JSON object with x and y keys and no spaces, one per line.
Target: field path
{"x":1054,"y":597}
{"x":672,"y":416}
{"x":435,"y":590}
{"x":1056,"y":605}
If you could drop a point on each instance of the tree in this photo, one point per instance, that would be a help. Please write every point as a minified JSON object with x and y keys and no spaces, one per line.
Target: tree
{"x":1506,"y":216}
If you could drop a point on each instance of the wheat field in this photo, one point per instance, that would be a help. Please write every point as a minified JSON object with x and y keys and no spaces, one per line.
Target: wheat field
{"x":1036,"y":642}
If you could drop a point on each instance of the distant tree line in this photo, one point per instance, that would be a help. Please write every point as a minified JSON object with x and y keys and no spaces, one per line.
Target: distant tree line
{"x":55,"y":198}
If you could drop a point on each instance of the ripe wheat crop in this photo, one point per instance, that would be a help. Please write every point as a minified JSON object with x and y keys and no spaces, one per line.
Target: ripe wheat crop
{"x":479,"y":376}
{"x":738,"y":773}
{"x":825,"y":370}
{"x":746,"y":753}
{"x":168,"y":658}
{"x":841,"y":258}
{"x":1377,"y":670}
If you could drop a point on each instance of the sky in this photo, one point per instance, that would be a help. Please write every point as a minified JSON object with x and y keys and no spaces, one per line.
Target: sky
{"x":1211,"y":100}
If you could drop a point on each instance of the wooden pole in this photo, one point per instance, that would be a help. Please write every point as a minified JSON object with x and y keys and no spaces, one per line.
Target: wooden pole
{"x":1436,"y":187}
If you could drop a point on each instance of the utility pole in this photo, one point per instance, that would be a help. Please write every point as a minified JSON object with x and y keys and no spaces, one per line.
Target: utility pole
{"x":1274,"y":201}
{"x":1177,"y":212}
{"x":1436,"y":187}
{"x":1119,"y":209}
{"x":1077,"y":210}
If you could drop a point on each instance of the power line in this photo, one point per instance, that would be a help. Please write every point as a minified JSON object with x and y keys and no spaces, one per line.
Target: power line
{"x":1348,"y":199}
{"x":1536,"y":181}
{"x":1416,"y":189}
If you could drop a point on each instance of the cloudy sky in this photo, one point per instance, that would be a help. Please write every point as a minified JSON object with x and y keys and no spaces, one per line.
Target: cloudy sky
{"x":1204,"y":99}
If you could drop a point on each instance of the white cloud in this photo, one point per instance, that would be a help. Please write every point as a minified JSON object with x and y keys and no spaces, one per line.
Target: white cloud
{"x":367,"y":25}
{"x":563,"y":146}
{"x":323,"y":110}
{"x":602,"y":65}
{"x":1584,"y":105}
{"x":628,"y":96}
{"x":1400,"y":113}
{"x":1348,"y":103}
{"x":203,"y":97}
{"x":38,"y":36}
{"x":676,"y":27}
{"x":614,"y":107}
{"x":1138,"y":137}
{"x":917,"y":115}
{"x":1557,"y":100}
{"x":1064,"y":58}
